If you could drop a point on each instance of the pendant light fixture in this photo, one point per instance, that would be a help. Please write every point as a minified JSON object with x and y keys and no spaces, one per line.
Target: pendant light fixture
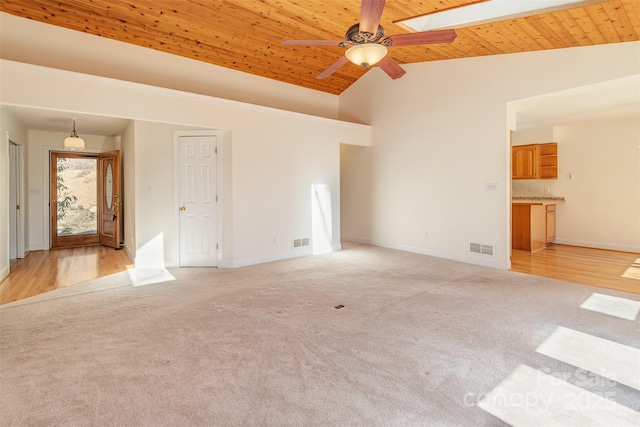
{"x":73,"y":141}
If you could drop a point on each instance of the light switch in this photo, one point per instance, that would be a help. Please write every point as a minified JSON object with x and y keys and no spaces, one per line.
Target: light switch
{"x":491,"y":186}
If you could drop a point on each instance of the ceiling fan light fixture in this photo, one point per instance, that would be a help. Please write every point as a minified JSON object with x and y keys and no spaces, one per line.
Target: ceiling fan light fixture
{"x":73,"y":141}
{"x":366,"y":54}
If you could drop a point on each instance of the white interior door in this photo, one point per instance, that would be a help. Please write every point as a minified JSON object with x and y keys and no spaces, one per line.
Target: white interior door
{"x":198,"y":201}
{"x":14,"y":201}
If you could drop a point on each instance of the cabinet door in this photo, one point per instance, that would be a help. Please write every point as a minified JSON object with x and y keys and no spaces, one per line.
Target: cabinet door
{"x":551,"y":227}
{"x":524,"y":161}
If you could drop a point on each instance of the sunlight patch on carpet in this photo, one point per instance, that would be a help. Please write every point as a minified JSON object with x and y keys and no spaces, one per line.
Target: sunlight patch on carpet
{"x":528,"y":397}
{"x":149,"y":276}
{"x":613,"y":306}
{"x":618,"y":362}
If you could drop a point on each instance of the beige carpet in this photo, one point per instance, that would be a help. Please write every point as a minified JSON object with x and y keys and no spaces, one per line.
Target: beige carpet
{"x":418,"y":341}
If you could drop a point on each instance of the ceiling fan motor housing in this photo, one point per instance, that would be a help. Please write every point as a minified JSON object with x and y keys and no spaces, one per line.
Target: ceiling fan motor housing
{"x":355,"y":37}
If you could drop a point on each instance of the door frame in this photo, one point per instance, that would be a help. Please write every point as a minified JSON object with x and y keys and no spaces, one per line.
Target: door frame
{"x":20,"y":194}
{"x":112,"y":157}
{"x":72,"y":240}
{"x":176,"y":190}
{"x":46,"y":192}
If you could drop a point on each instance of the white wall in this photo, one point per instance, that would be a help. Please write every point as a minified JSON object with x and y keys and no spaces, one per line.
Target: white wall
{"x":32,"y":42}
{"x":10,"y":127}
{"x":355,"y":192}
{"x":275,"y":155}
{"x":128,"y":160}
{"x":602,"y":206}
{"x":537,"y":135}
{"x":153,"y":187}
{"x":440,"y":135}
{"x":40,"y":145}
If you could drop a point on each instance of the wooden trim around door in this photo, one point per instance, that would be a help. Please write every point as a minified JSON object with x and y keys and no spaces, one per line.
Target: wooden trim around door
{"x":72,"y":240}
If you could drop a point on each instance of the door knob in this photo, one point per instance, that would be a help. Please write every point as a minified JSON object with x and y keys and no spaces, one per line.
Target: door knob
{"x":182,"y":208}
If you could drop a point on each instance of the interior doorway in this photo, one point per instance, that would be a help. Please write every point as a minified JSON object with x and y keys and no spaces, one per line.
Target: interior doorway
{"x":16,"y":203}
{"x":73,"y":205}
{"x":84,"y":205}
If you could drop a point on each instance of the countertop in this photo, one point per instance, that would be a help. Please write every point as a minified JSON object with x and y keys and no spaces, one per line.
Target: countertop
{"x":537,"y":200}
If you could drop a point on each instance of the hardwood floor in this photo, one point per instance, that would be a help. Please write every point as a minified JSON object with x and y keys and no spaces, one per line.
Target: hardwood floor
{"x":43,"y":271}
{"x":596,"y":267}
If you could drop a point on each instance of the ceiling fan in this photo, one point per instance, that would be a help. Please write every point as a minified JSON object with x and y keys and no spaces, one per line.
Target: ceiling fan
{"x":367,"y":42}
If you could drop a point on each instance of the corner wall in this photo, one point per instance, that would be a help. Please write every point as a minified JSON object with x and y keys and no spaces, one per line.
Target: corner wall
{"x":128,"y":160}
{"x":441,"y":135}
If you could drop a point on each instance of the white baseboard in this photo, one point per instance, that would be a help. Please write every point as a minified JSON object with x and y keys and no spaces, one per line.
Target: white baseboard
{"x":357,"y":239}
{"x":469,"y":259}
{"x":598,"y":245}
{"x":170,"y":263}
{"x":225,"y":264}
{"x":4,"y":273}
{"x":130,"y":254}
{"x":270,"y":258}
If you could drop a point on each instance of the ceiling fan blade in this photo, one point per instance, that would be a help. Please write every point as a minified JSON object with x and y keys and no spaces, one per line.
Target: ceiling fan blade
{"x":333,"y":68}
{"x":425,"y":37}
{"x":370,"y":13}
{"x":391,"y":67}
{"x":313,"y":42}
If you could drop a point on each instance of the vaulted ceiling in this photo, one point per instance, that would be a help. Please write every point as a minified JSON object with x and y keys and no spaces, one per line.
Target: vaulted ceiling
{"x":246,"y":35}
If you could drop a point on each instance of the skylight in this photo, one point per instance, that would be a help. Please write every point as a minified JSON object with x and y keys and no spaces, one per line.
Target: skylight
{"x":487,"y":11}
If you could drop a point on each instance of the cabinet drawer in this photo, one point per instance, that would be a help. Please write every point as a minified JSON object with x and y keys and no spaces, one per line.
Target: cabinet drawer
{"x":551,"y":208}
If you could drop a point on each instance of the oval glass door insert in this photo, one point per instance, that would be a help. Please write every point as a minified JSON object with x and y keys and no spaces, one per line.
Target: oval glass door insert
{"x":108,"y":194}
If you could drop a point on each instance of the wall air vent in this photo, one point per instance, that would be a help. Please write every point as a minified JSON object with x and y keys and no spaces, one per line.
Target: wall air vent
{"x":481,"y":249}
{"x":300,"y":243}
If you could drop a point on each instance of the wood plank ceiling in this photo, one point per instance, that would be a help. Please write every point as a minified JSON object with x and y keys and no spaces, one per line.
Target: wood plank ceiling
{"x":246,"y":35}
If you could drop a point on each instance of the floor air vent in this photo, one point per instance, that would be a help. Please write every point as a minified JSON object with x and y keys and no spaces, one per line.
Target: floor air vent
{"x":300,"y":243}
{"x":479,"y":248}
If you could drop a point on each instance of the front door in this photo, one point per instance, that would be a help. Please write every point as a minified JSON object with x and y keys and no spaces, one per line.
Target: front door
{"x":109,"y":215}
{"x":197,"y":198}
{"x":73,"y":203}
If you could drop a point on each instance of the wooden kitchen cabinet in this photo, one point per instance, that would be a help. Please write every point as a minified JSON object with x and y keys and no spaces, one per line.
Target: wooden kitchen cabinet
{"x":551,"y":224}
{"x":548,"y":161}
{"x":533,"y":224}
{"x":534,"y":161}
{"x":528,"y":227}
{"x":524,"y":160}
